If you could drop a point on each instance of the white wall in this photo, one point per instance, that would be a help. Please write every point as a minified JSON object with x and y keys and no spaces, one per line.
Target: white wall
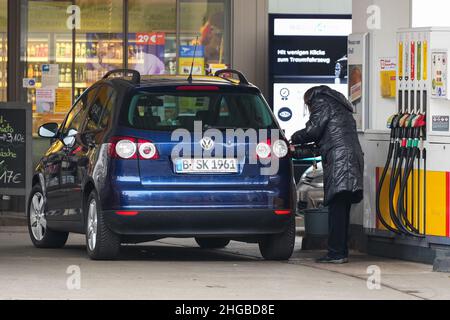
{"x":311,"y":6}
{"x":427,"y":13}
{"x":394,"y":15}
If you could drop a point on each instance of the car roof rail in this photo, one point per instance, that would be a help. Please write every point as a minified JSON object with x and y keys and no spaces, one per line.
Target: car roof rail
{"x":242,"y":79}
{"x":136,"y":76}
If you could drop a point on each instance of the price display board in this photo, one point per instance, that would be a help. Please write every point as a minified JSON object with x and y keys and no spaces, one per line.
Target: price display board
{"x":15,"y":149}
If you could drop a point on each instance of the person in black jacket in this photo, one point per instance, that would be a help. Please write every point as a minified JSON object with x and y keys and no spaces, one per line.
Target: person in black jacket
{"x":333,"y":128}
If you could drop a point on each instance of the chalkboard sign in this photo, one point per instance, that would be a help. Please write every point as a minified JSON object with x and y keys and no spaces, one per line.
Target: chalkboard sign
{"x":15,"y":148}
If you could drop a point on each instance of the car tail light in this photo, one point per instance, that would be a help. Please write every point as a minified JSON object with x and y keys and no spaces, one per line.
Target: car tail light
{"x":280,"y":149}
{"x":127,"y":213}
{"x":123,"y":148}
{"x":282,"y":212}
{"x":264,"y":150}
{"x":127,"y":148}
{"x":147,"y":150}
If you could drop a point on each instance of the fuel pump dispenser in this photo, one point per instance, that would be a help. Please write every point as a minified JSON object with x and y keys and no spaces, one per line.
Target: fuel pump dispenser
{"x":420,"y":126}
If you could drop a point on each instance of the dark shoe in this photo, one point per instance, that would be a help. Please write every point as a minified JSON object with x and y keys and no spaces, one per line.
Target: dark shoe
{"x":330,"y":260}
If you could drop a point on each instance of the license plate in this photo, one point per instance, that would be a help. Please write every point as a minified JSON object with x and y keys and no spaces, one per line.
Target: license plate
{"x":206,"y":166}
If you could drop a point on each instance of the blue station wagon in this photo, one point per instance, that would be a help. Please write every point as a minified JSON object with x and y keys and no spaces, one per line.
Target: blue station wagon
{"x":115,"y":173}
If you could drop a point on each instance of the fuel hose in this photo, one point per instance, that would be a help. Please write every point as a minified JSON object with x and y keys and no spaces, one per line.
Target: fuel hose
{"x":397,"y":169}
{"x":382,"y":181}
{"x":406,"y":225}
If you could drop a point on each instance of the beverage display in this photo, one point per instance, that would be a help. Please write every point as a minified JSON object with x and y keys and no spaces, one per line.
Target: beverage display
{"x":80,"y":63}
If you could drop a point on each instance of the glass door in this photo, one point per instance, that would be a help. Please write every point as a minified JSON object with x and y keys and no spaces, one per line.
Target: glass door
{"x":48,"y":75}
{"x":152,"y":36}
{"x":3,"y":49}
{"x":60,"y":63}
{"x":99,"y":42}
{"x":209,"y":22}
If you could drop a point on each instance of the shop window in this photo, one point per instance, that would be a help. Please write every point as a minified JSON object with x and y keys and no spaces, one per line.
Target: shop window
{"x":152,"y":36}
{"x":208,"y":21}
{"x":48,"y":42}
{"x":99,"y":42}
{"x":3,"y":49}
{"x":61,"y":63}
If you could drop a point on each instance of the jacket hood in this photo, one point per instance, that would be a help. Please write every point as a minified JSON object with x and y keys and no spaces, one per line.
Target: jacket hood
{"x":333,"y":94}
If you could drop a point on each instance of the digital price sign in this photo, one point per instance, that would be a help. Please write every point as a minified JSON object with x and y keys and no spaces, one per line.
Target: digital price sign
{"x":305,"y":51}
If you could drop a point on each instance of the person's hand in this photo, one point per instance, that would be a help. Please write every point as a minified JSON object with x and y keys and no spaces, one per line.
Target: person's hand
{"x":295,"y":139}
{"x":292,"y":148}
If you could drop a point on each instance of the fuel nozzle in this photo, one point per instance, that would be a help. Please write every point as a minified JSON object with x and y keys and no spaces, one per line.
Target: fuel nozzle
{"x":390,"y":121}
{"x":403,"y":125}
{"x":421,"y":121}
{"x":392,"y":124}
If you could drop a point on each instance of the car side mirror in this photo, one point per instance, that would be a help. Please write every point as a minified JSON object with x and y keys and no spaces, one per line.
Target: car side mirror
{"x":70,"y":139}
{"x":48,"y":130}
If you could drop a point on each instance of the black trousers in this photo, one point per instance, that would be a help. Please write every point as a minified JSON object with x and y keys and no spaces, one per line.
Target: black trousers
{"x":338,"y":225}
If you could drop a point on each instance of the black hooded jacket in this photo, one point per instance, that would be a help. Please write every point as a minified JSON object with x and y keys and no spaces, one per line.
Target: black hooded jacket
{"x":333,"y":128}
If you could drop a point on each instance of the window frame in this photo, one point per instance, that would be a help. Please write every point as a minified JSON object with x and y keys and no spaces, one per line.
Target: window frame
{"x":108,"y":100}
{"x":84,"y":99}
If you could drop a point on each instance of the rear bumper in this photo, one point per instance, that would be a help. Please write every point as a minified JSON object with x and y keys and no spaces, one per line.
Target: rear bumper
{"x":193,"y":223}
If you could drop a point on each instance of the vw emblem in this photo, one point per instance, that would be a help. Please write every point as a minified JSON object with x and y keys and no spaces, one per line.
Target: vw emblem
{"x":207,"y":143}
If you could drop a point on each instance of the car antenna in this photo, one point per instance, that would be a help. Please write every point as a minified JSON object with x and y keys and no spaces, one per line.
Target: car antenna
{"x":193,"y":61}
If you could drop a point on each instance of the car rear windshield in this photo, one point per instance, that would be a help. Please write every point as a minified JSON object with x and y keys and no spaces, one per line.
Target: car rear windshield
{"x":168,"y":112}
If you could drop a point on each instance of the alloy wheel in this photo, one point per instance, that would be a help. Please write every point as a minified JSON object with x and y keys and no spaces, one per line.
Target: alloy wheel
{"x":38,"y":221}
{"x":92,"y":225}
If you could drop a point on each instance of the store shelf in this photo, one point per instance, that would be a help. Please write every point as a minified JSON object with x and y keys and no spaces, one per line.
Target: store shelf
{"x":64,"y":60}
{"x":37,"y":59}
{"x":89,"y":60}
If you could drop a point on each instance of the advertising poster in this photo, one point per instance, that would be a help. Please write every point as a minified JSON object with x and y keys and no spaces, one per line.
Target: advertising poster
{"x":145,"y":53}
{"x":45,"y":100}
{"x":358,"y":69}
{"x":305,"y":51}
{"x":388,"y":77}
{"x":63,"y":100}
{"x":289,"y":107}
{"x":148,"y":53}
{"x":50,"y":75}
{"x":355,"y":83}
{"x":189,"y":54}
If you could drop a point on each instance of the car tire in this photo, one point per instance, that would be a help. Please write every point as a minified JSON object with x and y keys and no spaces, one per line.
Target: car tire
{"x":212,"y":243}
{"x":101,"y":242}
{"x":41,"y":236}
{"x":279,"y":247}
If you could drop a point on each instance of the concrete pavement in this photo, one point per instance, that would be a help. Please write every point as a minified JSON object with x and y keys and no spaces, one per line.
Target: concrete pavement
{"x":175,"y":269}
